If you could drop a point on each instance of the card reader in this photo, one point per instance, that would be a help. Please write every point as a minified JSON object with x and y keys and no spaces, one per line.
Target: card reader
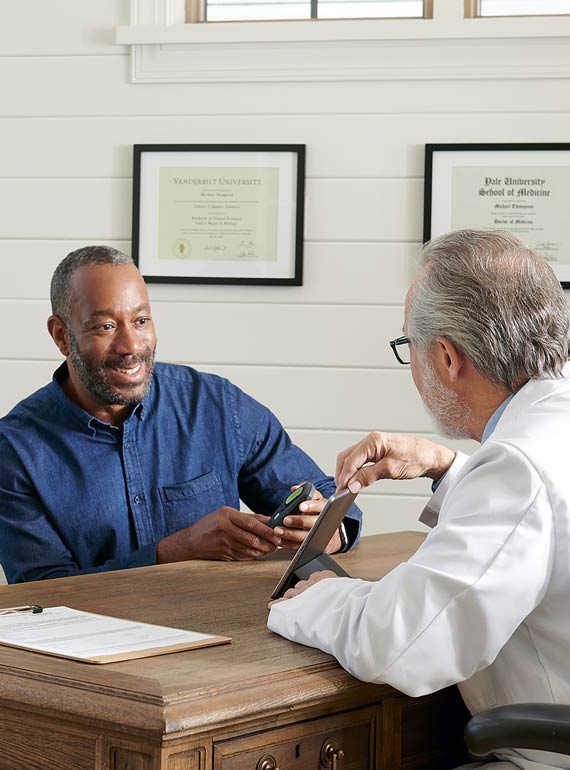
{"x":288,"y":506}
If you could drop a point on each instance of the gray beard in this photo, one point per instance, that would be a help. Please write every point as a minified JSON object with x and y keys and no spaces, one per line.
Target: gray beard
{"x":450,"y":413}
{"x":94,"y":377}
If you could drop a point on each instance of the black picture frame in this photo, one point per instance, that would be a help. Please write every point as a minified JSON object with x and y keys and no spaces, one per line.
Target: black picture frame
{"x":219,"y":237}
{"x":540,"y":214}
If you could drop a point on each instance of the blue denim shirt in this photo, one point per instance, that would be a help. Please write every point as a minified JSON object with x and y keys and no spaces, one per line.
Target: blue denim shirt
{"x":79,"y":495}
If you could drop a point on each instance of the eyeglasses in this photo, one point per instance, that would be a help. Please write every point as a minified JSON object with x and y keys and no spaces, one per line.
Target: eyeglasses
{"x":403,"y":356}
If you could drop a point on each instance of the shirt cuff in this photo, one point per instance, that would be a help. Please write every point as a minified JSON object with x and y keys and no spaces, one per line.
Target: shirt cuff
{"x":343,"y":539}
{"x":143,"y":557}
{"x":430,"y":514}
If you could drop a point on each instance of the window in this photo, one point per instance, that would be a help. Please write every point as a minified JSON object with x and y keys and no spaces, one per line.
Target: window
{"x":443,"y":45}
{"x":523,"y":7}
{"x":262,"y":10}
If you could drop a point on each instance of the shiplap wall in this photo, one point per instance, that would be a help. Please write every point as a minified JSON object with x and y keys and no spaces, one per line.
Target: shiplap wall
{"x":318,"y":354}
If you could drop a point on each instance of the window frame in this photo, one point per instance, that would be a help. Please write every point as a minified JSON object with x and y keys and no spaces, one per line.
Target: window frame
{"x":164,"y":48}
{"x":473,"y":8}
{"x":195,"y":13}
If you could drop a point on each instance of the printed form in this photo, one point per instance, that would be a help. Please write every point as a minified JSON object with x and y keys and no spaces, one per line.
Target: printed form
{"x":91,"y":638}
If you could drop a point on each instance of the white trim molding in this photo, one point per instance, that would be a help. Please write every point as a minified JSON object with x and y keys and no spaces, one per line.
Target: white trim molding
{"x":446,"y":47}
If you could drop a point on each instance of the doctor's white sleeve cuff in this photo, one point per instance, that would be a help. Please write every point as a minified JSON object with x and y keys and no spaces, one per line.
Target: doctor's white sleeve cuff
{"x":430,"y":514}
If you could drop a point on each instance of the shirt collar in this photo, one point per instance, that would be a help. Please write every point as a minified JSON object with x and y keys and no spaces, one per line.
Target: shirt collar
{"x":494,"y":418}
{"x":87,"y":421}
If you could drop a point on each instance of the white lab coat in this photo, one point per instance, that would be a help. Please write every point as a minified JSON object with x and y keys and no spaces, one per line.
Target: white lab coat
{"x":485,"y":601}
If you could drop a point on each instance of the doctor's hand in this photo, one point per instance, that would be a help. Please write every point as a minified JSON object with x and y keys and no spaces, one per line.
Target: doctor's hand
{"x":296,"y":526}
{"x":391,"y":457}
{"x":224,"y":535}
{"x":302,"y":585}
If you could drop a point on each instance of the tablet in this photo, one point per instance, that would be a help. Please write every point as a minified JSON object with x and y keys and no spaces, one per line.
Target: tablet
{"x":311,"y":556}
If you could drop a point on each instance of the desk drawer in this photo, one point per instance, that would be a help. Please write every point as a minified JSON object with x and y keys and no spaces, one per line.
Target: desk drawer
{"x":342,"y":742}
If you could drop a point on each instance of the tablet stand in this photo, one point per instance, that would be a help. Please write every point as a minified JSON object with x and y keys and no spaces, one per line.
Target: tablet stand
{"x":302,"y":572}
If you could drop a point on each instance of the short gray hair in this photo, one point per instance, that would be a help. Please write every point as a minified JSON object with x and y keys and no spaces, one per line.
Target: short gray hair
{"x":496,"y":300}
{"x":60,"y":290}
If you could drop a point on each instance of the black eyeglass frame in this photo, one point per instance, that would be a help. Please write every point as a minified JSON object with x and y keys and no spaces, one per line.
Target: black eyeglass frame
{"x":394,"y":345}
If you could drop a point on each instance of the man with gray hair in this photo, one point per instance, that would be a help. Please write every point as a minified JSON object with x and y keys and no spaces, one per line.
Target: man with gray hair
{"x":120,"y":462}
{"x":484,"y":601}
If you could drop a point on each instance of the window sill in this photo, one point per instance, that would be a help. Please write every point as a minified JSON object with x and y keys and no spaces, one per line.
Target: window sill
{"x":325,"y":30}
{"x":166,"y":50}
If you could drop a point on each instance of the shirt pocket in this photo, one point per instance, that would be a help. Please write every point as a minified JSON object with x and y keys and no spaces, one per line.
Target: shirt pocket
{"x":185,"y":503}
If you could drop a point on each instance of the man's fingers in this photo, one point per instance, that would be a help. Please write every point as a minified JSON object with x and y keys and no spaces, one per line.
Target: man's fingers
{"x":370,"y":449}
{"x":334,"y":544}
{"x":250,"y":523}
{"x":251,"y":533}
{"x":302,"y":585}
{"x":276,"y":601}
{"x":347,"y":465}
{"x":367,"y":476}
{"x":300,"y":521}
{"x":352,"y":459}
{"x":315,"y":505}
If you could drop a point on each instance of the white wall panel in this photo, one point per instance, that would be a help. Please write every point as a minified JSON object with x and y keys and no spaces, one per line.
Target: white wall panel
{"x":391,"y":514}
{"x":58,"y":27}
{"x":239,"y":333}
{"x":338,"y":145}
{"x":324,"y":446}
{"x":26,"y":266}
{"x":90,"y":209}
{"x":21,"y":378}
{"x":99,"y":85}
{"x":346,"y":399}
{"x":364,"y":210}
{"x":334,"y":273}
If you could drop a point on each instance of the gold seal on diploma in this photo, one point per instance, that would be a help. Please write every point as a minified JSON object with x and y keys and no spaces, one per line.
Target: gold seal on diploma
{"x":181,"y":249}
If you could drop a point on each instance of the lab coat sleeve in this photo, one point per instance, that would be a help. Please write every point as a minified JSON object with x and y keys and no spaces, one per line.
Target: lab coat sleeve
{"x":447,"y":612}
{"x":430,"y":514}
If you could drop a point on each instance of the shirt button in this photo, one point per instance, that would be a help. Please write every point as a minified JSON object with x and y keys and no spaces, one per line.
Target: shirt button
{"x":137,"y":499}
{"x":127,"y":445}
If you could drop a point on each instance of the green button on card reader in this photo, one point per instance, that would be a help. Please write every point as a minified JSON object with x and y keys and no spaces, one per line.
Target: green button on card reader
{"x":289,"y":506}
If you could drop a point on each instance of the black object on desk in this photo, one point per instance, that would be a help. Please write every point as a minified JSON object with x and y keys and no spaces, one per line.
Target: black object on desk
{"x":33,"y":608}
{"x":311,"y":556}
{"x":288,"y":506}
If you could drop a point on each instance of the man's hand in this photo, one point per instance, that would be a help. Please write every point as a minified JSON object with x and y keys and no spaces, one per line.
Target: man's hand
{"x":296,"y":526}
{"x":302,"y":585}
{"x":393,"y":457}
{"x":224,"y":535}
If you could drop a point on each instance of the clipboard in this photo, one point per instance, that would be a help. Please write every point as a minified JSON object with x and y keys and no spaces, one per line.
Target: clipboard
{"x":311,"y":556}
{"x":89,"y":638}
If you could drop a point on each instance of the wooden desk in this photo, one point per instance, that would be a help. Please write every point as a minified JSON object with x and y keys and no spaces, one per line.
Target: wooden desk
{"x":258,"y":704}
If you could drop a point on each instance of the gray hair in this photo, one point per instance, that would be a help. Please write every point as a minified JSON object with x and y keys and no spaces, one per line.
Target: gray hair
{"x":60,"y":290}
{"x":496,"y":300}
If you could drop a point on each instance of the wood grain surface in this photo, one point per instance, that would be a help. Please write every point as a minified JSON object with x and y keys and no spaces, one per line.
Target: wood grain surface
{"x":185,"y":703}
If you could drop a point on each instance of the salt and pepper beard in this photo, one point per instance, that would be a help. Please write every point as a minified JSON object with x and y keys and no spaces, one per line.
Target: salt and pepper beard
{"x":93,"y":374}
{"x":450,"y":412}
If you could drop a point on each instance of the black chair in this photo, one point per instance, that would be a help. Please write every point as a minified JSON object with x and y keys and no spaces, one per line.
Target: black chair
{"x":538,"y":726}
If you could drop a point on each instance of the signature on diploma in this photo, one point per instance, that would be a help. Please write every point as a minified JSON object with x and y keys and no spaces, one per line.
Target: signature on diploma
{"x":215,"y":247}
{"x":548,"y":250}
{"x":247,"y":244}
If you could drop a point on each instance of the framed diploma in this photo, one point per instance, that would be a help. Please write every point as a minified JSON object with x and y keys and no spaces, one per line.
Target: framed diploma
{"x":208,"y":213}
{"x":522,"y":188}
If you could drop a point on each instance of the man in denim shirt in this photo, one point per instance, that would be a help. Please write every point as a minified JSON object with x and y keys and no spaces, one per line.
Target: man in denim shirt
{"x":119,"y":462}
